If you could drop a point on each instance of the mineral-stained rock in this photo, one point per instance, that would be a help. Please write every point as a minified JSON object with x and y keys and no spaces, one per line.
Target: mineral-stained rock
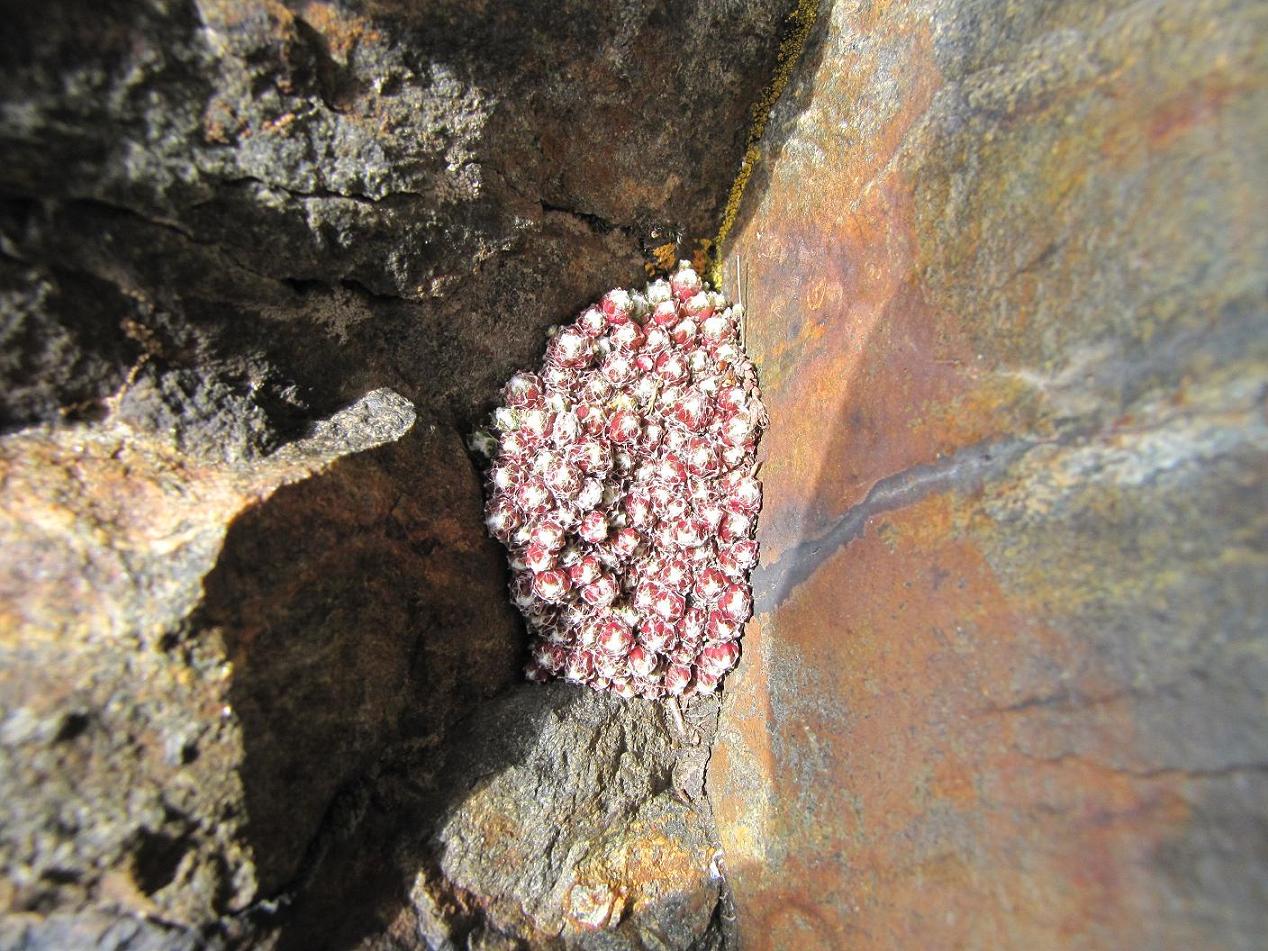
{"x":1004,"y":271}
{"x":120,"y":746}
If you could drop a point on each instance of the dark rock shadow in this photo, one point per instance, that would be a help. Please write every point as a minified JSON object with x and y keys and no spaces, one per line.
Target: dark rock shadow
{"x":359,"y":606}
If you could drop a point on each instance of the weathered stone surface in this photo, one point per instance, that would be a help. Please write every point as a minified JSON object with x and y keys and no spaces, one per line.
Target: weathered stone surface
{"x":556,"y":818}
{"x":1004,"y":266}
{"x":120,"y":747}
{"x":220,"y":222}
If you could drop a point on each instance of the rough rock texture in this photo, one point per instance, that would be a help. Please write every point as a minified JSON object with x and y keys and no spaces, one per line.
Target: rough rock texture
{"x":1004,"y":270}
{"x":556,"y":818}
{"x":220,"y":222}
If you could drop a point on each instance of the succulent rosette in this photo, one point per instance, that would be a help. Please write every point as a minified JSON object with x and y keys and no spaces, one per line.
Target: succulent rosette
{"x":622,"y":481}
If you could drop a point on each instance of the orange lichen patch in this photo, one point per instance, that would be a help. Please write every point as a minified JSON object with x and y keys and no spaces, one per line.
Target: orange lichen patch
{"x":227,"y":14}
{"x":341,"y":30}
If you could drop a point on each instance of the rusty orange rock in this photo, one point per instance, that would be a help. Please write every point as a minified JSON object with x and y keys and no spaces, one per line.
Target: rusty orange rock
{"x":1005,"y":677}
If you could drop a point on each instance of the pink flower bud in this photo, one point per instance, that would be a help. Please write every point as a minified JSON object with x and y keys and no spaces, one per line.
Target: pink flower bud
{"x":549,"y":534}
{"x":523,"y":390}
{"x":710,"y":584}
{"x":590,"y":456}
{"x":590,"y":495}
{"x":592,"y":322}
{"x":618,"y":368}
{"x":733,"y":456}
{"x":735,"y":526}
{"x":684,"y":332}
{"x":693,"y":411}
{"x":584,"y":571}
{"x":671,"y":470}
{"x":533,"y":497}
{"x":522,"y":591}
{"x":627,"y":541}
{"x":673,"y":367}
{"x":551,"y":586}
{"x":505,"y":476}
{"x":566,"y":429}
{"x":717,"y":659}
{"x":737,"y":430}
{"x":629,"y":337}
{"x":608,"y":665}
{"x":653,"y":433}
{"x":638,"y":508}
{"x":706,"y":682}
{"x":595,"y":390}
{"x":515,"y":445}
{"x":594,"y":527}
{"x":624,"y":427}
{"x":564,"y":480}
{"x":659,"y":635}
{"x":536,"y":674}
{"x":716,"y":329}
{"x":719,"y":627}
{"x":601,"y":592}
{"x":622,"y":688}
{"x":692,"y":626}
{"x":676,"y":440}
{"x":712,"y":513}
{"x":641,"y":662}
{"x":698,"y":306}
{"x":736,"y":603}
{"x":536,"y":423}
{"x":655,"y":340}
{"x":731,"y":400}
{"x":569,"y":348}
{"x":745,"y":497}
{"x":675,"y":574}
{"x":615,"y":636}
{"x":685,"y":283}
{"x":677,"y":679}
{"x":502,"y":519}
{"x":702,"y":457}
{"x":539,"y":558}
{"x":580,"y":667}
{"x":592,"y":419}
{"x":668,"y":605}
{"x":558,"y":379}
{"x":665,"y":314}
{"x":689,"y":532}
{"x":616,"y":306}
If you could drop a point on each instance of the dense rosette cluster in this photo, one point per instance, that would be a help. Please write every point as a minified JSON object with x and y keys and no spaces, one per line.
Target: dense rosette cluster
{"x":623,"y":485}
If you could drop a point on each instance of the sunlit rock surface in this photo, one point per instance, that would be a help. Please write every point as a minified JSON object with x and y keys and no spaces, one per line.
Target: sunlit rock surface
{"x":1004,"y":271}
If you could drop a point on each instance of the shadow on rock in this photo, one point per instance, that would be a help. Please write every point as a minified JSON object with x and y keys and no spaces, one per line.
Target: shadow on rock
{"x":552,"y":818}
{"x":357,"y":606}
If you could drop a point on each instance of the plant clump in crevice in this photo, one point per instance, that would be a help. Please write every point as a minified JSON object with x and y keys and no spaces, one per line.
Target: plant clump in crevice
{"x":623,"y":484}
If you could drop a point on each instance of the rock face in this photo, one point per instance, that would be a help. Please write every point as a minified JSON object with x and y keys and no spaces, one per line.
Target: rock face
{"x":261,"y":266}
{"x":1004,"y":270}
{"x":556,"y":818}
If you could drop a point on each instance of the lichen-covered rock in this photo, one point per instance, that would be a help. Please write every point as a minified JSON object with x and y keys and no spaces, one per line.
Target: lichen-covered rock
{"x":1004,"y":265}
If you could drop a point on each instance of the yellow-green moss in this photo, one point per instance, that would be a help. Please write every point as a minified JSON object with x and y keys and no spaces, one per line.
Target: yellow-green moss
{"x":796,"y":32}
